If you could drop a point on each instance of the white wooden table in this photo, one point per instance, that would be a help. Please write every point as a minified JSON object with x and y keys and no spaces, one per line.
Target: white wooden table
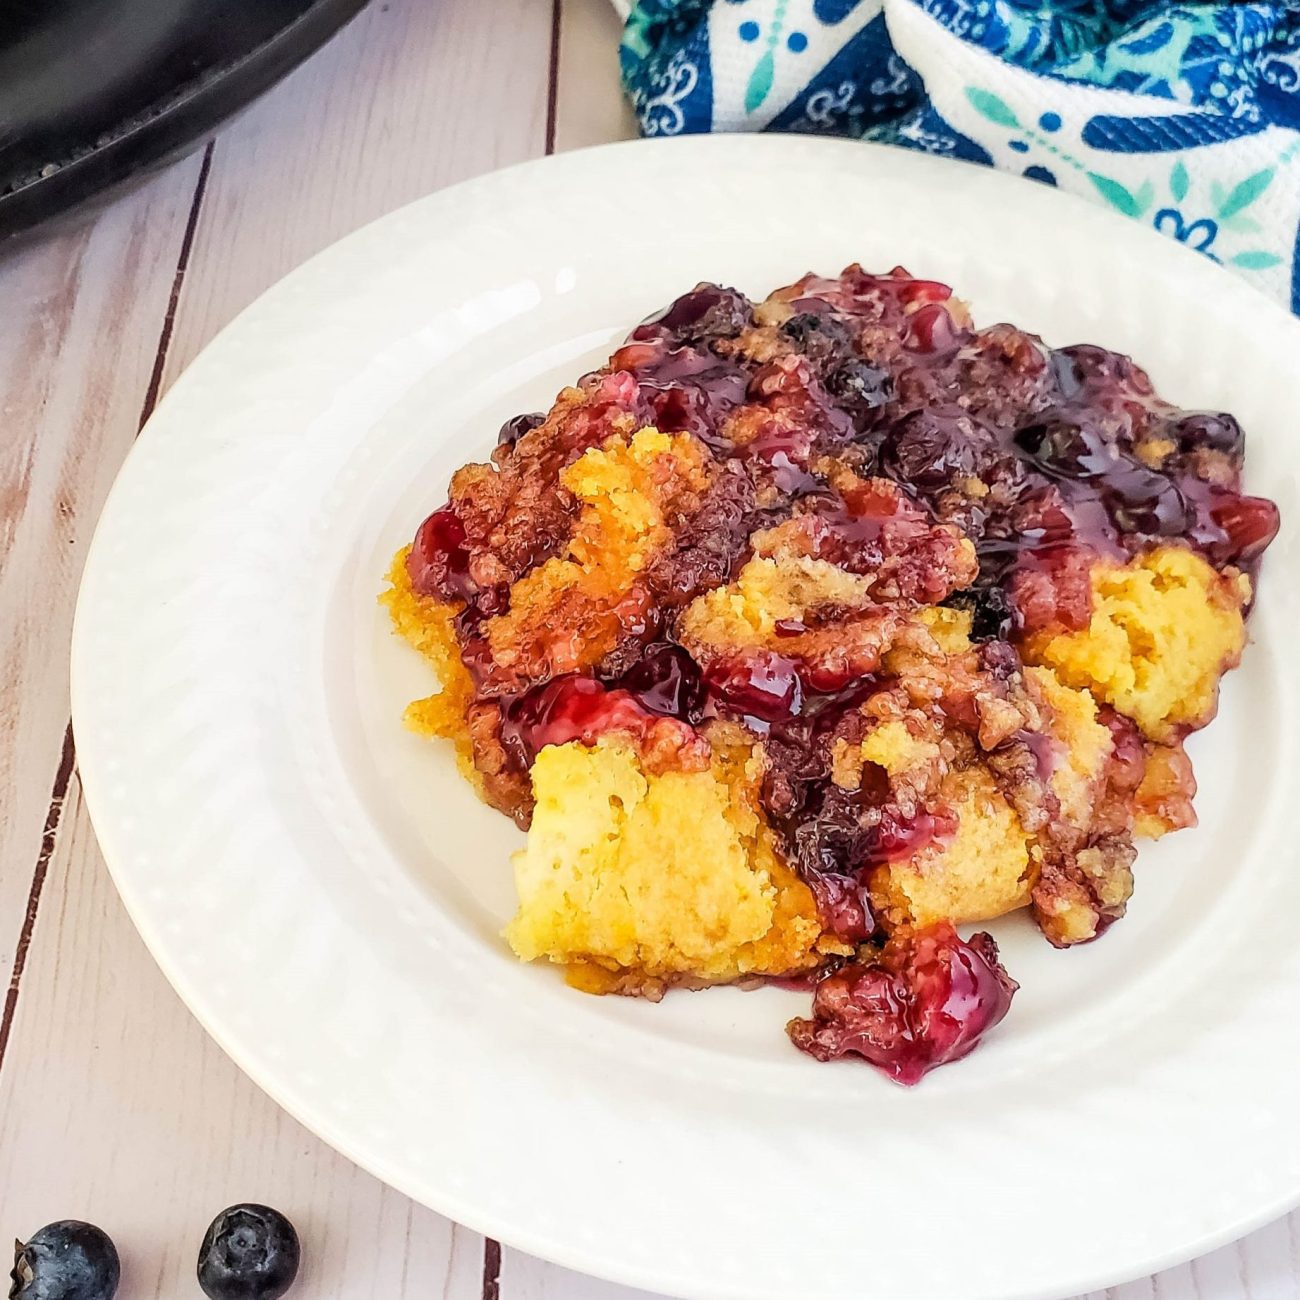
{"x":114,"y":1105}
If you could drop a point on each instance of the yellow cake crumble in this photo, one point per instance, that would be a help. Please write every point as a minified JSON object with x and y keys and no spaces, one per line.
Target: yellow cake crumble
{"x":1164,"y":629}
{"x":655,"y":879}
{"x":623,"y":491}
{"x":803,"y":632}
{"x":765,"y":592}
{"x":983,"y":871}
{"x":428,"y":626}
{"x":1084,"y":744}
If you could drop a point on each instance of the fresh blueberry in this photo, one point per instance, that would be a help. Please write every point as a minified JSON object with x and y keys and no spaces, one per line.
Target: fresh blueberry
{"x":67,"y":1260}
{"x":249,"y":1253}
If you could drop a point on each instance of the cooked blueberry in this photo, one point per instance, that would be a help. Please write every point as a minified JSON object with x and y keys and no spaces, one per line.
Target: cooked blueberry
{"x":513,"y":430}
{"x":990,"y":610}
{"x":821,"y":337}
{"x":1218,"y":431}
{"x":859,"y":386}
{"x":667,"y":681}
{"x":1074,"y":449}
{"x":932,"y":447}
{"x":249,"y":1253}
{"x":1068,"y":374}
{"x":1086,"y":365}
{"x":709,"y":311}
{"x":798,"y":328}
{"x":68,"y":1260}
{"x":1141,"y":500}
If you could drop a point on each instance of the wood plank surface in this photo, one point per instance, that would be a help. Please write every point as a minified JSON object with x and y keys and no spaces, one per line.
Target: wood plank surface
{"x":123,"y":1112}
{"x":114,"y":1105}
{"x":81,"y":315}
{"x":412,"y":97}
{"x":82,"y":311}
{"x":589,"y":104}
{"x":154,"y":1129}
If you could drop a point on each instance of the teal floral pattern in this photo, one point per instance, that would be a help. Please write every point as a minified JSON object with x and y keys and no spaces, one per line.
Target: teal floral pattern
{"x":1184,"y":116}
{"x":1182,"y":213}
{"x":760,"y":80}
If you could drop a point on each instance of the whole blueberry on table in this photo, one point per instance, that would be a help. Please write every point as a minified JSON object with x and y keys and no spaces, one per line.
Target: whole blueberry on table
{"x":249,"y":1253}
{"x":68,"y":1260}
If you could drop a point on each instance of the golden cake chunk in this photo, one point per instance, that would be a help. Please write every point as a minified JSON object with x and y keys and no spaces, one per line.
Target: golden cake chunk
{"x":655,"y":879}
{"x":795,"y":636}
{"x":976,"y":863}
{"x":984,"y":870}
{"x":989,"y":865}
{"x":767,"y":592}
{"x":1164,"y":799}
{"x":593,"y":590}
{"x":950,"y":628}
{"x":1164,"y":629}
{"x":801,"y":609}
{"x":428,"y":625}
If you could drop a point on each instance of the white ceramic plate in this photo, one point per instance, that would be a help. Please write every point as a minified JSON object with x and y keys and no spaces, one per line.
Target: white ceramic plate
{"x":326,"y":894}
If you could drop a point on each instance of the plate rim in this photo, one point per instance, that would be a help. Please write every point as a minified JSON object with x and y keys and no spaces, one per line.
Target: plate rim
{"x":243,"y":1054}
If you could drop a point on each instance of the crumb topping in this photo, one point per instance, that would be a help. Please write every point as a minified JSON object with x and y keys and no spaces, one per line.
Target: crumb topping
{"x":808,"y":629}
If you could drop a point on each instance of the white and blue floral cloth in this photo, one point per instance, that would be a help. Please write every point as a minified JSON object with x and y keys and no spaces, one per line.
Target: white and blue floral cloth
{"x":1184,"y":116}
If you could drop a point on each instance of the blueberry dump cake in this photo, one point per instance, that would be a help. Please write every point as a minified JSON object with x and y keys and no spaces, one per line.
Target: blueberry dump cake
{"x":806,"y":631}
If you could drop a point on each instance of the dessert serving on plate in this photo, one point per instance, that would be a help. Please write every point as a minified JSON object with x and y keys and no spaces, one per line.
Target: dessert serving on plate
{"x":807,"y":631}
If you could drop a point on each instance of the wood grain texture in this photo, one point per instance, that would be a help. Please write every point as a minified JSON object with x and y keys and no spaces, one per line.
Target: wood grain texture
{"x":412,"y":97}
{"x":81,"y":315}
{"x":1263,"y":1266}
{"x":525,"y":1278}
{"x":590,"y":107}
{"x":114,"y":1104}
{"x":153,"y":1129}
{"x":125,"y":1113}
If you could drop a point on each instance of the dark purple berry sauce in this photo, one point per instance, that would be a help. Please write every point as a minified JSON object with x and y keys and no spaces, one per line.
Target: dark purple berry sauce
{"x":924,"y":1002}
{"x":865,"y":416}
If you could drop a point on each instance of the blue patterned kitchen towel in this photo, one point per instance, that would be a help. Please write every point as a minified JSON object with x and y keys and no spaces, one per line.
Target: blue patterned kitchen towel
{"x":1185,"y":116}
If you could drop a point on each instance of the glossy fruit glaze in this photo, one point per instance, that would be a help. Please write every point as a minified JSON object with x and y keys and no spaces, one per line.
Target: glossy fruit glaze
{"x":863,"y":420}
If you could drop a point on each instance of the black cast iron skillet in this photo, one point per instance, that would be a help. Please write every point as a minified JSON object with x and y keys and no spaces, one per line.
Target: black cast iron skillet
{"x":94,"y":92}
